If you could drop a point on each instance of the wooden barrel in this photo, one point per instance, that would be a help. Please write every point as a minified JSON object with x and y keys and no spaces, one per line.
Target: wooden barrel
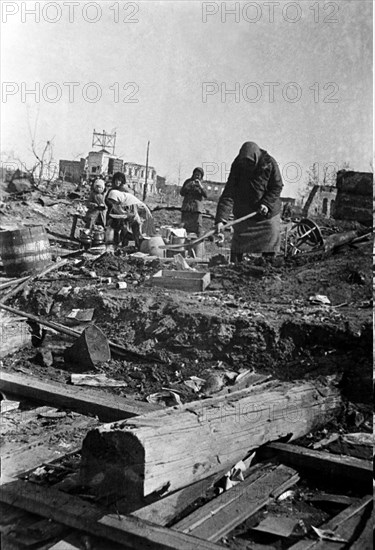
{"x":24,"y":251}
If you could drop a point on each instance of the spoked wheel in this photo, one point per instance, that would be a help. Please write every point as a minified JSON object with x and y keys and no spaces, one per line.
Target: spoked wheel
{"x":303,"y":236}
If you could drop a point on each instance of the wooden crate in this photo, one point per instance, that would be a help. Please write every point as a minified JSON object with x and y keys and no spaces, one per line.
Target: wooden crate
{"x":193,"y":281}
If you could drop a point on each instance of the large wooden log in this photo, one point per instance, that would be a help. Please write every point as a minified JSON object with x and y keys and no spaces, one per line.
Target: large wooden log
{"x":166,"y":450}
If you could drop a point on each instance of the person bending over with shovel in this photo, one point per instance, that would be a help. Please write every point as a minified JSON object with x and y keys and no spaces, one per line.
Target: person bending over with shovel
{"x":254,"y":185}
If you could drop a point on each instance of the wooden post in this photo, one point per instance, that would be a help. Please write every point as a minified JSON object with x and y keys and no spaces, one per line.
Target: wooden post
{"x":145,"y":185}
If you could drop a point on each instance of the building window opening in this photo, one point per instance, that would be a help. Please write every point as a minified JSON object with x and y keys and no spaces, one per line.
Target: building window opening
{"x":325,"y":206}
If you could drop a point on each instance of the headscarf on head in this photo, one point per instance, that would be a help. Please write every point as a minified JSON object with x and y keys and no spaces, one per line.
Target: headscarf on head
{"x":99,"y":186}
{"x":119,"y":176}
{"x":250,"y":151}
{"x":200,"y":170}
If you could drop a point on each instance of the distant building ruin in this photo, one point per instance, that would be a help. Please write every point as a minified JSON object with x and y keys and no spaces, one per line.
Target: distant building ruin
{"x":321,"y":201}
{"x":72,"y":170}
{"x":354,"y":201}
{"x":350,"y":199}
{"x":136,"y":176}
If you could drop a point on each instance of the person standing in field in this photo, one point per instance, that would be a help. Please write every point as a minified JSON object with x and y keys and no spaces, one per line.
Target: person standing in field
{"x":254,"y":185}
{"x":192,"y":206}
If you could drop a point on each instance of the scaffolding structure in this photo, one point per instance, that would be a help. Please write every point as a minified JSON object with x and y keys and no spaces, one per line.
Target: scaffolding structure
{"x":104,"y":140}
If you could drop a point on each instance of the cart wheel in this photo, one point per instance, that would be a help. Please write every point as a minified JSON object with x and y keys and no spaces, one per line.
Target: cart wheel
{"x":303,"y":235}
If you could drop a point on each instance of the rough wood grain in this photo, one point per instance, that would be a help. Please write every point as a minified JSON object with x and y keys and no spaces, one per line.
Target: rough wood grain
{"x":17,"y":459}
{"x":171,"y":449}
{"x":164,"y":510}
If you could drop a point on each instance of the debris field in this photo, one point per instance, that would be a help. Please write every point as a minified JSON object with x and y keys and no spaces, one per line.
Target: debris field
{"x":234,"y":415}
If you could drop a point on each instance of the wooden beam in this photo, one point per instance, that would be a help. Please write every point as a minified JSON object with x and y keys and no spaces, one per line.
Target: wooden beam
{"x":101,"y":404}
{"x":79,"y":514}
{"x":336,"y":500}
{"x":164,"y":510}
{"x":326,"y":464}
{"x":343,"y":525}
{"x":365,"y":540}
{"x":17,"y":459}
{"x":13,"y":282}
{"x":220,"y":516}
{"x":172,"y":448}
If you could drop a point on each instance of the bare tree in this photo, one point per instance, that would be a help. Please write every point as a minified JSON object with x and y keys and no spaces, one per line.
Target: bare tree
{"x":43,"y":168}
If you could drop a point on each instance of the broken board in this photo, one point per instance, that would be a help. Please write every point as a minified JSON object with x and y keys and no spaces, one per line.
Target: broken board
{"x":221,"y":515}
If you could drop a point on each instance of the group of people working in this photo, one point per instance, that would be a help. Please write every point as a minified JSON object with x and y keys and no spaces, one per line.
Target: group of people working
{"x":253,"y":189}
{"x":118,"y":209}
{"x":252,"y":192}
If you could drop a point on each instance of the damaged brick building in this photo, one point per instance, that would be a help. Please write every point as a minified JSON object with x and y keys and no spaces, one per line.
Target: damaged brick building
{"x":350,"y":199}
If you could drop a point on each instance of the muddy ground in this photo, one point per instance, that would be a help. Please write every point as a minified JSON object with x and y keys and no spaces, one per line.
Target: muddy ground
{"x":253,"y":316}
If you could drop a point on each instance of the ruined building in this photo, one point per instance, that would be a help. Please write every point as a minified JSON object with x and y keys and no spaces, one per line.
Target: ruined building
{"x":136,"y":176}
{"x":72,"y":170}
{"x":354,"y":200}
{"x":321,"y":201}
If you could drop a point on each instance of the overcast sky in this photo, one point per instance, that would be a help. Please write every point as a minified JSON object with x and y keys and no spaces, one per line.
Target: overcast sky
{"x":180,"y":57}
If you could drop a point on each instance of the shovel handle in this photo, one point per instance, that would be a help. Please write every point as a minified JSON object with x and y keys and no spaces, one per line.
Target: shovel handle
{"x":208,"y":234}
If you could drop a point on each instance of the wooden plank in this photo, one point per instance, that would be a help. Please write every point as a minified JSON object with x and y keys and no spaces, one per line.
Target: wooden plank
{"x":344,"y":525}
{"x":220,"y":516}
{"x":164,"y":510}
{"x":341,"y":500}
{"x":78,"y":514}
{"x":103,"y":405}
{"x":358,"y":445}
{"x":173,"y":448}
{"x":17,"y":459}
{"x":366,"y":538}
{"x":326,"y":464}
{"x":13,"y":282}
